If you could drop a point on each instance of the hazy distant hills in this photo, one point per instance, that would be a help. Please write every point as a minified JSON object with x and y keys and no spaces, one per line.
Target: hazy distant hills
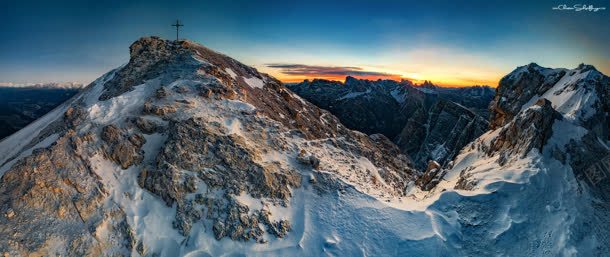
{"x":50,"y":85}
{"x":20,"y":105}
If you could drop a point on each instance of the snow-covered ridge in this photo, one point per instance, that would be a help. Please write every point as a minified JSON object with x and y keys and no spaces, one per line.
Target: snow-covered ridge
{"x":518,"y":190}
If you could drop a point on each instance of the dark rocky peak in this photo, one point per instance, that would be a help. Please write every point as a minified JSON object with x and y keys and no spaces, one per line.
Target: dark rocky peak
{"x":478,"y":90}
{"x":586,"y":67}
{"x":354,"y":84}
{"x":428,"y":84}
{"x":351,"y":81}
{"x":317,"y":83}
{"x":369,"y":85}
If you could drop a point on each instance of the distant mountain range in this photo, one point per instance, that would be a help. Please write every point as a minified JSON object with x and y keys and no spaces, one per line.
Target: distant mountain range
{"x":20,"y":105}
{"x":62,"y":85}
{"x":426,"y":121}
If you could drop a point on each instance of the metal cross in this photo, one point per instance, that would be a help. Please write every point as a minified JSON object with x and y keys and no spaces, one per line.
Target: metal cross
{"x":177,"y":25}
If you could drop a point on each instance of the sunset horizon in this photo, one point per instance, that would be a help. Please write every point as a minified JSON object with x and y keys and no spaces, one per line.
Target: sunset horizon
{"x":448,"y":43}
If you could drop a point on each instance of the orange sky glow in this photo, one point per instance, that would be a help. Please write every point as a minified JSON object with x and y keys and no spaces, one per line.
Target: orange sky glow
{"x":445,"y":82}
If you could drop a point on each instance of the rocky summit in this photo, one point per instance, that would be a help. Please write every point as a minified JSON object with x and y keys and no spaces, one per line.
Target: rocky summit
{"x":184,"y":151}
{"x":178,"y":142}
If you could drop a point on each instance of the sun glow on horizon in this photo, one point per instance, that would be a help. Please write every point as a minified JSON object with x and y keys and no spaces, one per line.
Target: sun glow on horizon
{"x":443,"y":66}
{"x":416,"y":78}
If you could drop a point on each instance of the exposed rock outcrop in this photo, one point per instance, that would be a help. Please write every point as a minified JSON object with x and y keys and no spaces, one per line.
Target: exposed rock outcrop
{"x":517,"y":88}
{"x":121,"y":147}
{"x":530,"y":129}
{"x":581,"y":96}
{"x":432,"y":175}
{"x":53,"y":198}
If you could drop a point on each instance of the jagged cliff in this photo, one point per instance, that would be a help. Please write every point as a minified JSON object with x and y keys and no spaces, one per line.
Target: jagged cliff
{"x":439,"y":133}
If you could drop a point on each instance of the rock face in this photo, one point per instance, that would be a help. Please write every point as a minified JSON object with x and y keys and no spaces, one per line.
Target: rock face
{"x":56,"y":197}
{"x":517,"y":88}
{"x":531,"y":129}
{"x":440,"y":133}
{"x":121,"y":147}
{"x":532,"y":102}
{"x":427,"y":122}
{"x":581,"y":97}
{"x":431,"y":177}
{"x":180,"y":146}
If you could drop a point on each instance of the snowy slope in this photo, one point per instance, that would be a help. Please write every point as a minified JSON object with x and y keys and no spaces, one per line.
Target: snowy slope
{"x":510,"y":201}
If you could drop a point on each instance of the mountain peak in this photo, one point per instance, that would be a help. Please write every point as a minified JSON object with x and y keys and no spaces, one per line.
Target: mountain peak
{"x":563,"y":87}
{"x":202,"y":145}
{"x":153,"y":44}
{"x":428,"y":84}
{"x":586,"y":67}
{"x":349,"y":80}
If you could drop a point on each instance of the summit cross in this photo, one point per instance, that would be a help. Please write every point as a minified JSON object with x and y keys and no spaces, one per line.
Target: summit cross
{"x":177,"y":25}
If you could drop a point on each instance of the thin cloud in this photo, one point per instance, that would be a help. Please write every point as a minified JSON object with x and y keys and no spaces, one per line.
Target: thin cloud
{"x":314,"y":70}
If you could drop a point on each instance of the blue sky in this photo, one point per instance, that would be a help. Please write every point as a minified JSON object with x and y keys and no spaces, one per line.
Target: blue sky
{"x":471,"y":42}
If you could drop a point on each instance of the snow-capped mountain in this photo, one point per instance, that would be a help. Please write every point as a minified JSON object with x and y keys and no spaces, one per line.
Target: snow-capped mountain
{"x":539,"y":178}
{"x":186,"y":152}
{"x":427,"y":122}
